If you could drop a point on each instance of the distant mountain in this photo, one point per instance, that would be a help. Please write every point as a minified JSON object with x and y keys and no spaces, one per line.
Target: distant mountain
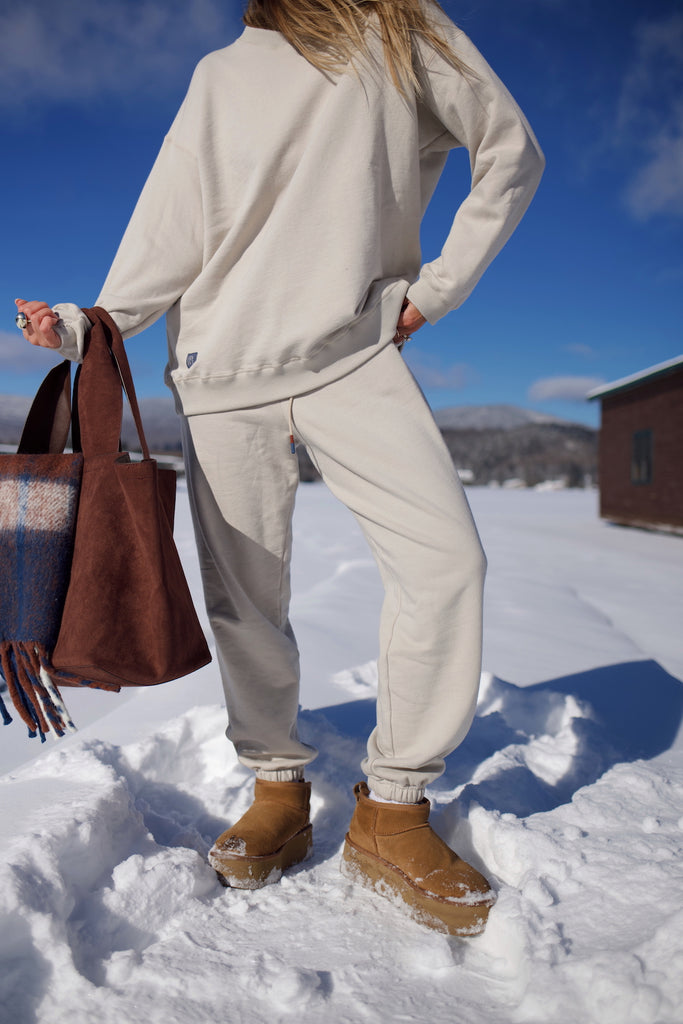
{"x":530,"y":454}
{"x":161,"y":423}
{"x":494,"y":443}
{"x":13,"y":410}
{"x":489,"y":417}
{"x":162,"y":426}
{"x":499,"y":443}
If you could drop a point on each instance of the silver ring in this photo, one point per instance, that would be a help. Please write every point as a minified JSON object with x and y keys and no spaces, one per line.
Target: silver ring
{"x":21,"y":320}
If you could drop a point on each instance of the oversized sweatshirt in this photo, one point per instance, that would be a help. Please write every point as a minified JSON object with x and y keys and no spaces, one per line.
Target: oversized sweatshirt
{"x":279,"y":227}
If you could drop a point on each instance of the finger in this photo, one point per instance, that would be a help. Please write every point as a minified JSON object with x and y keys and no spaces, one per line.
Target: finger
{"x":33,"y":307}
{"x":44,"y":333}
{"x":45,"y":323}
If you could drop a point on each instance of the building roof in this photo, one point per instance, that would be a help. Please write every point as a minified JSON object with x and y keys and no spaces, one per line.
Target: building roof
{"x":659,"y":370}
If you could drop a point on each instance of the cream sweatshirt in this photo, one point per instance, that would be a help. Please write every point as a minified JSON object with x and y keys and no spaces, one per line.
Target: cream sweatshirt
{"x":279,"y":227}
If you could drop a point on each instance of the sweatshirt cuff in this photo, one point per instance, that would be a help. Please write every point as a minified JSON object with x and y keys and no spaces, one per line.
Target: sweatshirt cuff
{"x":72,"y":327}
{"x":430,"y":303}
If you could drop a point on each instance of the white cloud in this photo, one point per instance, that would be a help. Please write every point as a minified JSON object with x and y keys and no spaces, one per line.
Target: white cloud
{"x":651,"y":89}
{"x":658,"y":186}
{"x":75,"y":51}
{"x":650,"y":114}
{"x":578,"y":348}
{"x":568,"y":389}
{"x":18,"y":356}
{"x":431,"y":374}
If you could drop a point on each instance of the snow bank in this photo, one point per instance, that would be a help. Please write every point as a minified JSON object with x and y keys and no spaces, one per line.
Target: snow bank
{"x":568,"y":791}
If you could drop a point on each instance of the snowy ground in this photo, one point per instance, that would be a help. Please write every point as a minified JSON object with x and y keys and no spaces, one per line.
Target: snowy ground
{"x":568,"y":790}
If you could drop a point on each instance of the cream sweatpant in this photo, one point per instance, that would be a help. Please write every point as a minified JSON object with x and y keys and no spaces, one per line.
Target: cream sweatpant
{"x":373,"y":439}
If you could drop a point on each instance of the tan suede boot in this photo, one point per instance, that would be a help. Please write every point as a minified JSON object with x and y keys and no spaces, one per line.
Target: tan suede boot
{"x":274,"y":834}
{"x":393,"y":849}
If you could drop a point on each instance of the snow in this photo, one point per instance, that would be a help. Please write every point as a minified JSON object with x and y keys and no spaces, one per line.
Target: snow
{"x":568,"y":792}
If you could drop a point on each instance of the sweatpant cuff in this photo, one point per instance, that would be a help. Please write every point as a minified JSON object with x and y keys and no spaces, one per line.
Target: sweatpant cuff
{"x":281,"y":775}
{"x":399,"y":794}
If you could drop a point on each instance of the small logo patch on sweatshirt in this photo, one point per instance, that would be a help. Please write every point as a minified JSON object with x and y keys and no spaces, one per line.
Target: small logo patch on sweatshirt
{"x":191,"y":359}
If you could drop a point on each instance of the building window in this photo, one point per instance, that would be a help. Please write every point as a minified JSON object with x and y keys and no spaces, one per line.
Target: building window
{"x":641,"y":459}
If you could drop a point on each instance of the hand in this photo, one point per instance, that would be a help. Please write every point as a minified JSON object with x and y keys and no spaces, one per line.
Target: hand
{"x":409,"y":321}
{"x":41,"y":322}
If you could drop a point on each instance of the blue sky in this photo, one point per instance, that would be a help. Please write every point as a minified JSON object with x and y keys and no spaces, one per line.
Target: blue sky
{"x":589,"y":289}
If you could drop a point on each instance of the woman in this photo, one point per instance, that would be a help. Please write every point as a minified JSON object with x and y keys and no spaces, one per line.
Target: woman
{"x":279,"y":233}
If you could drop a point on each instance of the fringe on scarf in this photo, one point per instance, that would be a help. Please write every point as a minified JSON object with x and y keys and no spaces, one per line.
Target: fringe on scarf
{"x":26,"y":670}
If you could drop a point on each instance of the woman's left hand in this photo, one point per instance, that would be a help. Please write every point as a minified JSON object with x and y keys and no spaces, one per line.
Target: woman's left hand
{"x":41,"y":322}
{"x":409,"y":321}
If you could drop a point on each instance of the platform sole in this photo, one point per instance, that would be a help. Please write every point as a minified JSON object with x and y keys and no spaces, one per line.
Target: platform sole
{"x":444,"y":915}
{"x":242,"y":872}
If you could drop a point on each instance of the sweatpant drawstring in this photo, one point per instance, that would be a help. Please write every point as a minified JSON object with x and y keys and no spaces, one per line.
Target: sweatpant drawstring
{"x":292,"y":445}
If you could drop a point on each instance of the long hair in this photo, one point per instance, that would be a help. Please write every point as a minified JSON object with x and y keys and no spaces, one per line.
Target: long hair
{"x":331,"y":34}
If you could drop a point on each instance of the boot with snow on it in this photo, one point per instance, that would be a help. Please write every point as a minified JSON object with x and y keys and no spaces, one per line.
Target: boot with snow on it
{"x":393,"y":849}
{"x":274,"y":834}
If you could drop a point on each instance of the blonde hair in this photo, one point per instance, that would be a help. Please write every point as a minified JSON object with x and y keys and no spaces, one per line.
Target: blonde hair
{"x":331,"y":34}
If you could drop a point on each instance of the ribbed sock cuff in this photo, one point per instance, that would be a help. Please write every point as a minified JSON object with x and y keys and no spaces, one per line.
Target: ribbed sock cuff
{"x":281,"y":775}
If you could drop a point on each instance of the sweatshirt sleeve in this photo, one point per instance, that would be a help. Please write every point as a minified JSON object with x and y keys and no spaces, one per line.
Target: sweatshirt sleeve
{"x":72,"y":327}
{"x":161,"y":251}
{"x":476,"y":112}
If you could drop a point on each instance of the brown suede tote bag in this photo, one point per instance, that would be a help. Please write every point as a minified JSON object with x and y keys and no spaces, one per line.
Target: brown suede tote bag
{"x":128,"y":618}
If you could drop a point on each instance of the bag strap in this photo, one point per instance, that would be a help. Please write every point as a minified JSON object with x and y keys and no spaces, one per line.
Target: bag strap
{"x":103,"y":373}
{"x":47,"y":425}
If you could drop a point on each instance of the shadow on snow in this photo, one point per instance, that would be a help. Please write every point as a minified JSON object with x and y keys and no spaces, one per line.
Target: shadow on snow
{"x":531,"y":748}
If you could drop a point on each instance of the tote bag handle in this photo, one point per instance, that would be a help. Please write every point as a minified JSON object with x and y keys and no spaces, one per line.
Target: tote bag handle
{"x":47,"y":425}
{"x":98,"y":395}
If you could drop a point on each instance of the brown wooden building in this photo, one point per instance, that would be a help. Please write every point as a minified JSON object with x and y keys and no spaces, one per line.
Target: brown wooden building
{"x":641,"y":448}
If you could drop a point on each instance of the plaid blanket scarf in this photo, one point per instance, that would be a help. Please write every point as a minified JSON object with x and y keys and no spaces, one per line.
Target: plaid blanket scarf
{"x":38,"y":503}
